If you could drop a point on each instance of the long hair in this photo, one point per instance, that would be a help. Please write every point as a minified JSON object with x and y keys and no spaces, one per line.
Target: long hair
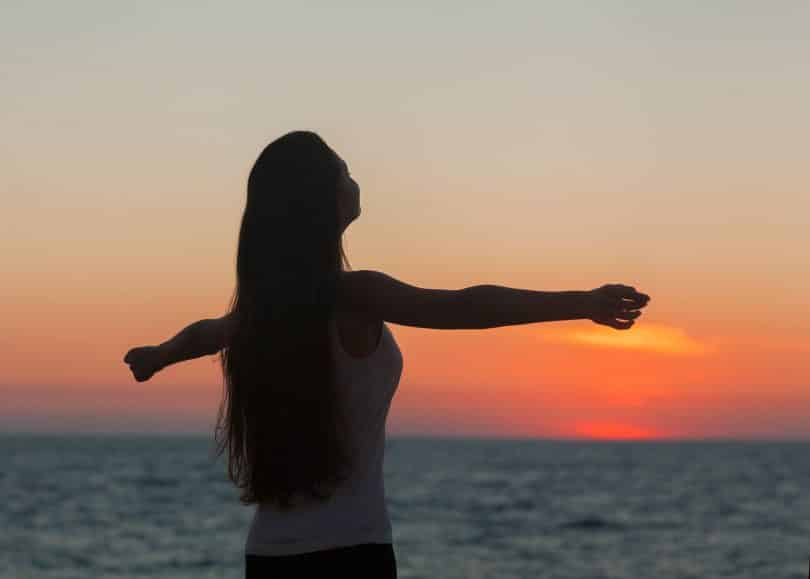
{"x":281,"y":417}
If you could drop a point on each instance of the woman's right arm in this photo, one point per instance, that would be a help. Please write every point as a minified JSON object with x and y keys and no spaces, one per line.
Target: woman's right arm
{"x":377,"y":295}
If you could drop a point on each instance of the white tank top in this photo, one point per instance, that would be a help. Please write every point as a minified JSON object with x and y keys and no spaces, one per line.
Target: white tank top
{"x":357,"y":512}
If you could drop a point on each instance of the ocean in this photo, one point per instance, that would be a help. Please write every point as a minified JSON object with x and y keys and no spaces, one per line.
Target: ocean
{"x":125,"y":506}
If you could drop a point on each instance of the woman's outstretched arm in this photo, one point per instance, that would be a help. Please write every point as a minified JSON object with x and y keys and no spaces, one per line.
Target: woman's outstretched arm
{"x":201,"y":338}
{"x":382,"y":297}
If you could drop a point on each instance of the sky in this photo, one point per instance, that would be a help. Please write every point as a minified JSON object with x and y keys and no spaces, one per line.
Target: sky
{"x":538,"y":145}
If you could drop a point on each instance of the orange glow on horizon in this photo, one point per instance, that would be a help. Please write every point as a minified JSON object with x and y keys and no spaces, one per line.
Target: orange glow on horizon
{"x":614,"y":431}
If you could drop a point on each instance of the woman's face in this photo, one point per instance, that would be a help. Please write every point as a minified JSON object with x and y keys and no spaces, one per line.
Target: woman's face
{"x":348,"y":196}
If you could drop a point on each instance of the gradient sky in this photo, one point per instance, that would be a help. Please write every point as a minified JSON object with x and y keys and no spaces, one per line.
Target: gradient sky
{"x":539,"y":145}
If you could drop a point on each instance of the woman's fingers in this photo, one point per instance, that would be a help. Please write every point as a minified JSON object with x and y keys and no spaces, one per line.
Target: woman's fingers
{"x":613,"y":322}
{"x":623,"y":292}
{"x":620,"y":320}
{"x":628,"y":292}
{"x":637,"y":300}
{"x":628,"y":315}
{"x":620,"y":325}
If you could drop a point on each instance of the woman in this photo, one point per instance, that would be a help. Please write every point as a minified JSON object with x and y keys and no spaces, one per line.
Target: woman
{"x":310,"y":367}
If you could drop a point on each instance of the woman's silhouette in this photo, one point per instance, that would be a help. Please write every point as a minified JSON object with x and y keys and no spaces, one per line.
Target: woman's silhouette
{"x":310,"y":367}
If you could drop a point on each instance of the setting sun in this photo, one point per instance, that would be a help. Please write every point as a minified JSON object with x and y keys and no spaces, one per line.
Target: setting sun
{"x":613,"y":430}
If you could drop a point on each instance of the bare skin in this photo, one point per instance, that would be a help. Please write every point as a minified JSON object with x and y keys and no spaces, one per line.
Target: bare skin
{"x":613,"y":305}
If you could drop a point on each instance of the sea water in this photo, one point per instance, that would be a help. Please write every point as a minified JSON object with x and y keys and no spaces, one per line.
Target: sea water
{"x":115,"y":506}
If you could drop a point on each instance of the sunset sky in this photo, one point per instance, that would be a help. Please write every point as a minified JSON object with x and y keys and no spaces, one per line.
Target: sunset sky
{"x":538,"y":145}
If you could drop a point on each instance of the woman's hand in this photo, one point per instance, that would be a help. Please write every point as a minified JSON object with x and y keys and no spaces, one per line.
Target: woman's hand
{"x":615,"y":305}
{"x":144,"y":361}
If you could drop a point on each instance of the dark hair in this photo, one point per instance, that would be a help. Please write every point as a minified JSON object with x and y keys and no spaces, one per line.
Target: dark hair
{"x":281,"y":417}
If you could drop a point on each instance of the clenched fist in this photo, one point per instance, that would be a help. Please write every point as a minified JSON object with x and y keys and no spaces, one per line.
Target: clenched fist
{"x":615,"y":305}
{"x":144,"y":361}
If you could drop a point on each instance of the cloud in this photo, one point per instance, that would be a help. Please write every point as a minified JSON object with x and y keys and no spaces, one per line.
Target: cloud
{"x":651,"y":337}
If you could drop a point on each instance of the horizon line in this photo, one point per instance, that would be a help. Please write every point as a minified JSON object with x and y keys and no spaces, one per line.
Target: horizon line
{"x":391,"y":437}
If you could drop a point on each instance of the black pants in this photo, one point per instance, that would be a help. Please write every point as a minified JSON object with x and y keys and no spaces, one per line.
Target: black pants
{"x":369,"y":560}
